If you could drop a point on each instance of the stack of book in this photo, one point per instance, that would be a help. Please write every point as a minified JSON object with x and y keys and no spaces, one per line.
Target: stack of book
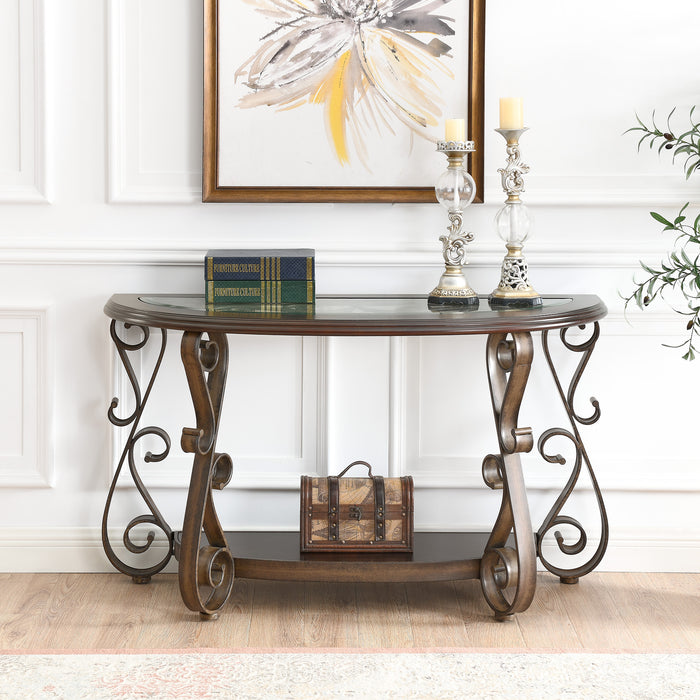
{"x":263,"y":280}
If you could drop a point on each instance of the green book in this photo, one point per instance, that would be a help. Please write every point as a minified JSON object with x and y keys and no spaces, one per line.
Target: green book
{"x":261,"y":310}
{"x":260,"y":264}
{"x":257,"y":292}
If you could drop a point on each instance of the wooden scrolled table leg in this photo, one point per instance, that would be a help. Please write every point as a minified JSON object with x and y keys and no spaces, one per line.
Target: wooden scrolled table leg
{"x":508,"y":574}
{"x":206,"y":569}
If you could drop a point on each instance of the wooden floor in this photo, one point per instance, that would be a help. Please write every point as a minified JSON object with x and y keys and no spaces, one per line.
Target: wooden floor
{"x":604,"y":611}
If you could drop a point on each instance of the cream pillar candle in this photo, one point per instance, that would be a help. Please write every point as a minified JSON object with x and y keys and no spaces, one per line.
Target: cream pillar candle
{"x":511,"y":113}
{"x":454,"y":130}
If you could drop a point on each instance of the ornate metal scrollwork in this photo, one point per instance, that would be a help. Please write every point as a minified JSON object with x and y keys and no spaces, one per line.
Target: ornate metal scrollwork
{"x":554,"y":517}
{"x":514,"y":273}
{"x":454,"y":245}
{"x":512,"y":179}
{"x":154,"y":517}
{"x":504,"y":567}
{"x":206,"y":570}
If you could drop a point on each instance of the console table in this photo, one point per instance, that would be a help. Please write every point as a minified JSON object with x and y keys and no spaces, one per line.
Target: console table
{"x":208,"y":562}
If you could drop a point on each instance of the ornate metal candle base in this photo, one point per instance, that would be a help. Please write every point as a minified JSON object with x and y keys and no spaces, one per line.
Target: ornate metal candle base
{"x":455,"y":190}
{"x":514,"y":290}
{"x":513,"y":223}
{"x":452,"y":290}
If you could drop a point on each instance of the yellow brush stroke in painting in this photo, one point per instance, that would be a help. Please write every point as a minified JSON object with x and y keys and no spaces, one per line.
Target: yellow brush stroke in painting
{"x":402,"y":74}
{"x":332,"y":92}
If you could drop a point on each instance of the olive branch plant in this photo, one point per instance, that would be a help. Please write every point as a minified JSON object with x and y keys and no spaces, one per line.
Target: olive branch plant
{"x":679,"y":271}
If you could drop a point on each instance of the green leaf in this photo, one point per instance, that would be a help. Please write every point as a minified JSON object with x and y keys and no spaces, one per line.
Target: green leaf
{"x":653,"y":120}
{"x":639,"y":143}
{"x":661,"y":219}
{"x":650,"y":290}
{"x":668,"y":119}
{"x":648,"y":269}
{"x":638,"y":297}
{"x":680,"y":345}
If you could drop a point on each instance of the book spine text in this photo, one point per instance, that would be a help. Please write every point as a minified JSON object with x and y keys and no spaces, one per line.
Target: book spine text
{"x":260,"y":292}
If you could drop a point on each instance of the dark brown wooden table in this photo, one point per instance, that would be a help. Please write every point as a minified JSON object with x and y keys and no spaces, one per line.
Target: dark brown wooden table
{"x":505,"y":561}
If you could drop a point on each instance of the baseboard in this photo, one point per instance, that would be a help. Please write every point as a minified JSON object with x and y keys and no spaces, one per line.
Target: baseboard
{"x":79,"y":550}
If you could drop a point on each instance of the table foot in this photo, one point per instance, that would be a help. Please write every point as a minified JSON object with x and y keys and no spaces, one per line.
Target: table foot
{"x":141,"y":580}
{"x":554,"y":517}
{"x":508,"y":574}
{"x":205,"y":617}
{"x":206,"y":565}
{"x":154,"y":516}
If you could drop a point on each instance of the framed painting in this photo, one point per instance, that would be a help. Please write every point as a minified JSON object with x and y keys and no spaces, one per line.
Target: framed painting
{"x":338,"y":100}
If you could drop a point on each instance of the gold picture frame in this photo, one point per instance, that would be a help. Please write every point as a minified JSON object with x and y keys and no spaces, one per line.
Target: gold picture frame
{"x":216,"y":188}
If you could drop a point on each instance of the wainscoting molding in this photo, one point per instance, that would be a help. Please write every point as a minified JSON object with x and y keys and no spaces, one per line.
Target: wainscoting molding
{"x":129,"y":180}
{"x":487,"y":254}
{"x":25,"y":180}
{"x":26,"y":459}
{"x":69,"y":549}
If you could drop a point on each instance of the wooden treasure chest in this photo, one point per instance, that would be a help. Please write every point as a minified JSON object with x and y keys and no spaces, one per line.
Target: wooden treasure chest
{"x":349,"y":514}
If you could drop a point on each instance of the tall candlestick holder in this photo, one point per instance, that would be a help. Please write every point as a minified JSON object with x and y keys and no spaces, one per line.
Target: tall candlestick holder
{"x":455,"y":190}
{"x":513,"y":226}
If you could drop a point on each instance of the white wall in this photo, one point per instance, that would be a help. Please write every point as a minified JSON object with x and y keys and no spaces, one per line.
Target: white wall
{"x":100,"y":141}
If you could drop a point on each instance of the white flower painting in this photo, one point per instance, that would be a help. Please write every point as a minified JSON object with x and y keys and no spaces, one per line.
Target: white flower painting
{"x":319,"y":99}
{"x":369,"y":63}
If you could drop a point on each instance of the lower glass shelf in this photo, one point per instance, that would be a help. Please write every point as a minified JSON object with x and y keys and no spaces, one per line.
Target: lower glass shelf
{"x":437,"y":556}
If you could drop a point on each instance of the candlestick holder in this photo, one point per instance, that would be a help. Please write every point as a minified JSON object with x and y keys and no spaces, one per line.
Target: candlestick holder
{"x":455,"y":190}
{"x":513,"y":226}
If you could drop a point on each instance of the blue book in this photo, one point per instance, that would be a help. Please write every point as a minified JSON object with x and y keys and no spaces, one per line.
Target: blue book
{"x":263,"y":264}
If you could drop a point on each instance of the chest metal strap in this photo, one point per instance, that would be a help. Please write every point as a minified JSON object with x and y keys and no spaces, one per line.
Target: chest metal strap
{"x":379,"y":508}
{"x":333,"y":507}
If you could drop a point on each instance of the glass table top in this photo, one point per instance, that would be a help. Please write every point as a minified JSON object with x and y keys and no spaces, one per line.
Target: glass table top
{"x":338,"y":307}
{"x":350,"y":315}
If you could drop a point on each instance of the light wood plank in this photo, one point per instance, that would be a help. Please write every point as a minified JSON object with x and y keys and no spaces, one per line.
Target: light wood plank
{"x":49,"y":603}
{"x":330,"y":615}
{"x":124,"y":614}
{"x":546,"y":624}
{"x":482,"y":628}
{"x":16,"y":627}
{"x":595,"y":615}
{"x":14,"y":592}
{"x":277,"y":618}
{"x":169,"y":625}
{"x":69,"y":618}
{"x":654,"y":622}
{"x":383,"y":619}
{"x":645,"y":612}
{"x":682,"y":594}
{"x":436,"y":620}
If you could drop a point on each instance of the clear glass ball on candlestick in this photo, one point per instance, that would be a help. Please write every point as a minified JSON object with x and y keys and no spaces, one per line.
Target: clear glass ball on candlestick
{"x":455,"y":189}
{"x":513,"y":222}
